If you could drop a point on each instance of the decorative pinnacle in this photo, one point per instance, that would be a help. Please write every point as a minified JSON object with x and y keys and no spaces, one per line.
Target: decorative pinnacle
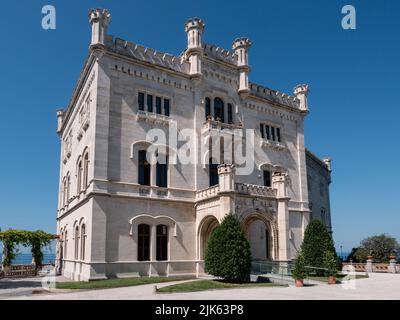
{"x":301,"y":88}
{"x":241,"y":43}
{"x":194,"y":23}
{"x":96,"y":15}
{"x":328,"y":163}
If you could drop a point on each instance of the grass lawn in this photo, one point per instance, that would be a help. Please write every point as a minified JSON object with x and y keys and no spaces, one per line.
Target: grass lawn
{"x":338,"y":278}
{"x":203,"y":285}
{"x":117,"y":283}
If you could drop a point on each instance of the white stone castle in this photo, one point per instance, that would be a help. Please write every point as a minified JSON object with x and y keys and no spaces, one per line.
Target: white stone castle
{"x":122,"y":215}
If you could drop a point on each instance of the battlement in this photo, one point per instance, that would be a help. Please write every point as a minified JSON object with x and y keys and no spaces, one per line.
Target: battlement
{"x":137,"y":51}
{"x":241,"y":43}
{"x":194,"y":23}
{"x":218,"y":53}
{"x":274,"y":96}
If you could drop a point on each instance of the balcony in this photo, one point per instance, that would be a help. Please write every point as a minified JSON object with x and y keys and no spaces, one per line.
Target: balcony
{"x":272,"y":144}
{"x":255,"y":190}
{"x":241,"y":188}
{"x":218,"y":127}
{"x":152,"y":117}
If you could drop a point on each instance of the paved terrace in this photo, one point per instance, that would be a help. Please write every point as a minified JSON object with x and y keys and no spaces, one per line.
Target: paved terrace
{"x":378,"y":286}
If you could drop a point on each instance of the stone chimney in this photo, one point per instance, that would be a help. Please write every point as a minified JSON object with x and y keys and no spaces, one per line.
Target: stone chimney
{"x":194,"y":28}
{"x":100,"y":20}
{"x":301,"y":91}
{"x":241,"y":46}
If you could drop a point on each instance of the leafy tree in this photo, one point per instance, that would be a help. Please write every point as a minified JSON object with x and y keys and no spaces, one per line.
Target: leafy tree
{"x":299,"y":271}
{"x":330,"y":263}
{"x":380,"y":247}
{"x":228,"y":253}
{"x":317,"y":240}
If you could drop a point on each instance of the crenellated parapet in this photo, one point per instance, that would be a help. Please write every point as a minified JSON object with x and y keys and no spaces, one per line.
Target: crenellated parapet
{"x":220,"y":54}
{"x":274,"y":96}
{"x":146,"y":54}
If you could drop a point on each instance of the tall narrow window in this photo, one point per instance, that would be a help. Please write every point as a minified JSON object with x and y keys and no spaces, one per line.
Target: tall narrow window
{"x":262,"y":130}
{"x":143,"y":242}
{"x":144,"y":169}
{"x":273,"y":133}
{"x":230,"y":113}
{"x":213,"y":173}
{"x":83,"y":242}
{"x":278,"y":134}
{"x":267,"y":132}
{"x":166,"y":107}
{"x":162,"y":243}
{"x":267,"y":178}
{"x":158,"y":105}
{"x":219,"y":112}
{"x":149,"y":103}
{"x":266,"y":244}
{"x":141,"y":101}
{"x":76,"y":243}
{"x":68,"y":188}
{"x":79,"y":176}
{"x":208,"y":107}
{"x":66,"y":245}
{"x":86,"y":171}
{"x":162,"y":172}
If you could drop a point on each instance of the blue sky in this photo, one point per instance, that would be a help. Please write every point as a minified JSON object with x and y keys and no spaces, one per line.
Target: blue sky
{"x":353,"y":76}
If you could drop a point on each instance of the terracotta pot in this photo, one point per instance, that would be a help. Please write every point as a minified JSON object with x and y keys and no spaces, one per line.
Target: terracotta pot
{"x":299,"y":283}
{"x":392,"y":257}
{"x":332,"y":280}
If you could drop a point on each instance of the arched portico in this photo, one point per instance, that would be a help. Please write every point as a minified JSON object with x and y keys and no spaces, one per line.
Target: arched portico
{"x":262,"y":234}
{"x":206,"y":228}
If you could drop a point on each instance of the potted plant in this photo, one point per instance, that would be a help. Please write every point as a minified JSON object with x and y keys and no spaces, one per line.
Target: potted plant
{"x":330,"y":264}
{"x":299,"y":271}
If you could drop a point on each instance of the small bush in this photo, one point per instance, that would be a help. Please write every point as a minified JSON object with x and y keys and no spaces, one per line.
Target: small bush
{"x":299,"y":271}
{"x":228,"y":253}
{"x":330,"y":263}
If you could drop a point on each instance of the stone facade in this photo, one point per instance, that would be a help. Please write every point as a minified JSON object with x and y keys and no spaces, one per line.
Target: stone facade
{"x":104,"y":206}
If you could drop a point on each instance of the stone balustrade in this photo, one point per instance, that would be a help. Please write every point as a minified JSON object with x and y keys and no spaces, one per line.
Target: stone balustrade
{"x":212,"y":125}
{"x":255,"y":190}
{"x":153,"y":117}
{"x":207,"y":193}
{"x":372,"y":267}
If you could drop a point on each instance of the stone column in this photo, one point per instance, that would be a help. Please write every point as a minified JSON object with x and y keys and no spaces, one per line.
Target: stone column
{"x":194,"y":28}
{"x":226,"y":176}
{"x":369,"y":266}
{"x":241,"y":46}
{"x":279,"y":181}
{"x":392,"y":265}
{"x":99,"y":19}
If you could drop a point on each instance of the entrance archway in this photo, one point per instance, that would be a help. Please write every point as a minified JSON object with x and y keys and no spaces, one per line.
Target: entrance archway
{"x":261,"y":235}
{"x":259,"y":238}
{"x":206,"y":228}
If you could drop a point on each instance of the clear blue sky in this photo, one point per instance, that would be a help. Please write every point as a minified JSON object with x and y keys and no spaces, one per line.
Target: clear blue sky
{"x":354,"y":77}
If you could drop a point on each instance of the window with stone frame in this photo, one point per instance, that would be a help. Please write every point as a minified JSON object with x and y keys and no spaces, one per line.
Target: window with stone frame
{"x":270,"y":132}
{"x":143,"y":248}
{"x":162,"y":243}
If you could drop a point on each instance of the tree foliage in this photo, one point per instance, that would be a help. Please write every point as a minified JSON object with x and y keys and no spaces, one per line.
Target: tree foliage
{"x":380,"y":247}
{"x":330,"y":263}
{"x":228,"y":253}
{"x":317,"y":241}
{"x":299,"y":272}
{"x":35,"y":239}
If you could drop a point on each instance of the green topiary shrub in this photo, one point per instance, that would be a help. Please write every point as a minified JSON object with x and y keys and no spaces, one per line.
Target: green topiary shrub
{"x":317,"y":240}
{"x":228,"y":253}
{"x":330,"y":263}
{"x":299,"y":271}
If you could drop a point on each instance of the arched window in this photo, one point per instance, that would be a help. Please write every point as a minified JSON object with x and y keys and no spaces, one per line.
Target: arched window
{"x":76,"y":243}
{"x":66,"y":244}
{"x":208,"y":107}
{"x":162,"y":243}
{"x":162,"y":171}
{"x":144,"y":169}
{"x":219,"y":112}
{"x":143,"y":242}
{"x":230,"y":113}
{"x":79,"y":175}
{"x":67,"y":189}
{"x":86,"y":170}
{"x":83,"y":241}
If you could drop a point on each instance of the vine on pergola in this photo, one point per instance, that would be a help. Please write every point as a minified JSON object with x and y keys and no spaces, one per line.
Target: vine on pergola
{"x":35,"y":239}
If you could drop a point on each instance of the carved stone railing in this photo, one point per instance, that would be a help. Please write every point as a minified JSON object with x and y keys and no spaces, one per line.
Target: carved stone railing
{"x":207,"y":193}
{"x":255,"y":190}
{"x":153,"y":117}
{"x":374,"y":267}
{"x":212,"y":125}
{"x":20,"y":271}
{"x":272,"y":144}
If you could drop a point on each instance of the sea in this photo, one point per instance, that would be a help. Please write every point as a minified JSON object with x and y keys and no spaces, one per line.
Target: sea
{"x":26,"y":258}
